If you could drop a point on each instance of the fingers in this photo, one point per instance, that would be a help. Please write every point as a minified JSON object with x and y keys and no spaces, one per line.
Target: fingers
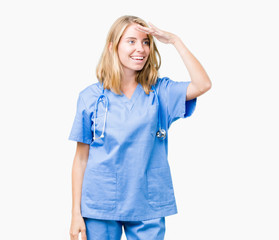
{"x":146,"y":30}
{"x":153,"y":26}
{"x":74,"y":236}
{"x":83,"y":234}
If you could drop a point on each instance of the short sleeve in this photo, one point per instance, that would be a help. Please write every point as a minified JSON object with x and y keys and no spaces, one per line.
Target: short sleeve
{"x":81,"y":129}
{"x":177,"y":106}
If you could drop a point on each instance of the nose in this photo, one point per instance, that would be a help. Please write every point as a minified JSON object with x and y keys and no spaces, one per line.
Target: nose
{"x":139,"y":47}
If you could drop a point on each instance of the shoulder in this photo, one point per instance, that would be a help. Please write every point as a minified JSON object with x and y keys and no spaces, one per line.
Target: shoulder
{"x":162,"y":83}
{"x":91,"y":90}
{"x":90,"y":94}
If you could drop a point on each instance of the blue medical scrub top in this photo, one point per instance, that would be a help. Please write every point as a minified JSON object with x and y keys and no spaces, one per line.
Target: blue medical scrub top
{"x":127,"y":177}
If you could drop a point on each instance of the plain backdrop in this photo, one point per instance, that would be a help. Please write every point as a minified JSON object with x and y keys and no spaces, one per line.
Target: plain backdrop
{"x":223,"y":159}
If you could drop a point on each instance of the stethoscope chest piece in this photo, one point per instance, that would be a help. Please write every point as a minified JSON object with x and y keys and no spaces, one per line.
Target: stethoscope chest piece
{"x":161,"y":133}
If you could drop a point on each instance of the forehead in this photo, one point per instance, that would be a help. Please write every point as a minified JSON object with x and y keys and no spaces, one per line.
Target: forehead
{"x":131,"y":31}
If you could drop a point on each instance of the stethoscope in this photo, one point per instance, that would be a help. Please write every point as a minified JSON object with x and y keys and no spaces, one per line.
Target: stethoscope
{"x":161,"y":133}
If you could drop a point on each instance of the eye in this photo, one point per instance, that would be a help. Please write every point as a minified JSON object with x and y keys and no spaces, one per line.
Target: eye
{"x":131,"y":41}
{"x":146,"y":42}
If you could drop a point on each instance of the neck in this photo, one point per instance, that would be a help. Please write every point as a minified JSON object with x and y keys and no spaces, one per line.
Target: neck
{"x":128,"y":80}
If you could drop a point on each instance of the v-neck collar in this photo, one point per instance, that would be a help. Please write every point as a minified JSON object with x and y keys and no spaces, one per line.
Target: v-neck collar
{"x":129,"y":103}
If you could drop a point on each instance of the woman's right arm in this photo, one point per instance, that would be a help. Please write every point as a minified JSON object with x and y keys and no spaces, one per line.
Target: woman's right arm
{"x":79,"y":165}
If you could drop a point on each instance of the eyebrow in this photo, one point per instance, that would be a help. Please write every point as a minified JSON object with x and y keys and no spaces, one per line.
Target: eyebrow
{"x":136,"y":38}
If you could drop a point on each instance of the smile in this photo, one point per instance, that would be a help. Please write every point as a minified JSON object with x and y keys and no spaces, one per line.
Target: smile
{"x":137,"y":58}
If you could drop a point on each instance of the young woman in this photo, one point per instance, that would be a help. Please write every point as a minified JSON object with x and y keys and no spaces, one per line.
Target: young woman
{"x":120,"y":175}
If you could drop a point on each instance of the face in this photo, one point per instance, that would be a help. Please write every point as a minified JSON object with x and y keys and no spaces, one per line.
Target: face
{"x":133,"y":49}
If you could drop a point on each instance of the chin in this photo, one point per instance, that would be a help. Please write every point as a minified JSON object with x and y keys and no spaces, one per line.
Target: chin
{"x":139,"y":68}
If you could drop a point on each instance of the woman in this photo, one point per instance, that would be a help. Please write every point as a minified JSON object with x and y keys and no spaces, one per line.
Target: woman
{"x":121,"y":176}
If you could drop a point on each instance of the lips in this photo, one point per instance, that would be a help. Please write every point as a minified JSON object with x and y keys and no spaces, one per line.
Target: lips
{"x":137,"y":58}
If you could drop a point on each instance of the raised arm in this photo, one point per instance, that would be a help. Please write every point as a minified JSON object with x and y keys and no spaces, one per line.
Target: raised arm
{"x":200,"y":82}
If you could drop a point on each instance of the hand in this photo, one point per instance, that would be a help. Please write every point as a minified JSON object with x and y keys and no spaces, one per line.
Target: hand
{"x":77,"y":226}
{"x":162,"y":36}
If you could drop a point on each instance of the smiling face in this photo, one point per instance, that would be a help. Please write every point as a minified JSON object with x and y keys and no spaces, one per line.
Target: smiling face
{"x":133,"y":50}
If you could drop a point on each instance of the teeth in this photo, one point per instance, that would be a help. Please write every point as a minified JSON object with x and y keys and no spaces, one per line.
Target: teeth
{"x":138,"y":58}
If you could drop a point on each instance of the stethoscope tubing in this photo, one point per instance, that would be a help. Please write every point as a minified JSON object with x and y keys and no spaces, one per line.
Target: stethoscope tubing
{"x":161,"y":133}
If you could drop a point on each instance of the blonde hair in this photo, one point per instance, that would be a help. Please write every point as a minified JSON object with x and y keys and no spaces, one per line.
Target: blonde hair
{"x":109,"y":69}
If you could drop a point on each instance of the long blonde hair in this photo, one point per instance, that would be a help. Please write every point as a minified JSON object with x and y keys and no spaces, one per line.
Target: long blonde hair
{"x":109,"y":69}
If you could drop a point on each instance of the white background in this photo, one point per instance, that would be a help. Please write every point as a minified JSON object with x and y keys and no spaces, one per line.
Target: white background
{"x":223,"y":158}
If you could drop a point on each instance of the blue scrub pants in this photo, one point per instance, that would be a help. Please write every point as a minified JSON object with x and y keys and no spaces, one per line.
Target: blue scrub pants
{"x":153,"y":229}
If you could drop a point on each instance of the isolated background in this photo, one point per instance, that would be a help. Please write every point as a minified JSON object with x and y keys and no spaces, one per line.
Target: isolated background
{"x":223,"y":158}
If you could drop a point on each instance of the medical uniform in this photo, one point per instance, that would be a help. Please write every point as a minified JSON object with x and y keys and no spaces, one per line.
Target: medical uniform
{"x":127,"y":177}
{"x":152,"y":229}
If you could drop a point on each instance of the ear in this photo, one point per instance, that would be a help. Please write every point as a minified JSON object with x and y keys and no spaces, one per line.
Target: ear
{"x":110,"y":46}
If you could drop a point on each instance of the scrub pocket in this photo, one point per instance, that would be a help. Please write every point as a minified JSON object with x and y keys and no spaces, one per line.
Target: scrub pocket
{"x":100,"y":189}
{"x":160,"y":188}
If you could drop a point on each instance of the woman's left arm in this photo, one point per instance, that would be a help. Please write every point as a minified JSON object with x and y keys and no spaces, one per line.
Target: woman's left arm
{"x":200,"y":82}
